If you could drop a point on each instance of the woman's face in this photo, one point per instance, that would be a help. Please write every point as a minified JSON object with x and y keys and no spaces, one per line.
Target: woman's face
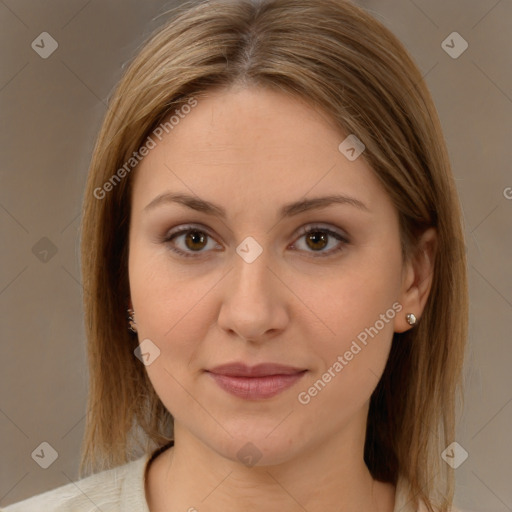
{"x":246,"y":284}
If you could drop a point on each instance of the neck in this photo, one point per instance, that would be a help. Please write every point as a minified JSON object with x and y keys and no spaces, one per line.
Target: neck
{"x":329,"y":476}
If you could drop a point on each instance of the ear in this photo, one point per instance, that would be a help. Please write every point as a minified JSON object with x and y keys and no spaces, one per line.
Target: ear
{"x":417,"y":279}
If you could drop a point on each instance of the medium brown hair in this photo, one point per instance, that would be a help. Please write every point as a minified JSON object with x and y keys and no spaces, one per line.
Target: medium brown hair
{"x":353,"y":69}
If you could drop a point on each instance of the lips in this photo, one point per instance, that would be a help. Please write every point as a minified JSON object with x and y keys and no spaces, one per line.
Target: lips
{"x":261,"y":370}
{"x":255,"y":382}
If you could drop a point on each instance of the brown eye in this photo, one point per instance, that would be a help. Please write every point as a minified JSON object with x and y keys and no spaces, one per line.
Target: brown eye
{"x":195,"y":240}
{"x":317,"y":238}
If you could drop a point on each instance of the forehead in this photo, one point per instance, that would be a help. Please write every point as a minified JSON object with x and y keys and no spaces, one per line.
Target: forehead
{"x":251,"y":145}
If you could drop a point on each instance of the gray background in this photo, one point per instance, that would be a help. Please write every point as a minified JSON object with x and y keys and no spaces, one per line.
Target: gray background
{"x":51,"y":112}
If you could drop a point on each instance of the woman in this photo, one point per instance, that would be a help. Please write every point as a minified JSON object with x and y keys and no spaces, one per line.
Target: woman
{"x":270,"y":202}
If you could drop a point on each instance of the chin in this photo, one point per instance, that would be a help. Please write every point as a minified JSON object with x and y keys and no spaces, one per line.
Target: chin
{"x":257,"y":448}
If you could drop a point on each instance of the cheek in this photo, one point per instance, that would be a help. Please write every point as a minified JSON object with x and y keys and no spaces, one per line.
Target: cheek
{"x":165,"y":296}
{"x":351,"y":344}
{"x":175,"y":321}
{"x":348,"y":365}
{"x":169,"y":311}
{"x":349,"y":299}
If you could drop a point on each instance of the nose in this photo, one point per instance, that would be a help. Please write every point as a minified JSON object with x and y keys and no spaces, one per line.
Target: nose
{"x":254,"y":300}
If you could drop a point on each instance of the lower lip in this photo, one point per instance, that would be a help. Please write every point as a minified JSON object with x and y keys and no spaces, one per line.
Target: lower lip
{"x":253,"y":388}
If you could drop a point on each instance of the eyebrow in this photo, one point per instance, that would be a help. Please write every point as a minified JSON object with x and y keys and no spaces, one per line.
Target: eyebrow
{"x":288,"y":210}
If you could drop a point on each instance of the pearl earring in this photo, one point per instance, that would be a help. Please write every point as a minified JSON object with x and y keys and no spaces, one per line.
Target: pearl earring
{"x":411,"y":319}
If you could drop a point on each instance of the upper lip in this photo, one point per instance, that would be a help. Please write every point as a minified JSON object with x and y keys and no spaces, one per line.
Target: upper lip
{"x":238,"y":369}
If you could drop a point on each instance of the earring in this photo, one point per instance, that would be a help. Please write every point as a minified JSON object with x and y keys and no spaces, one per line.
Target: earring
{"x":411,"y":319}
{"x":131,"y":320}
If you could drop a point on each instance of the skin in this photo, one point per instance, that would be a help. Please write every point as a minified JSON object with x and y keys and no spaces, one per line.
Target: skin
{"x":250,"y":151}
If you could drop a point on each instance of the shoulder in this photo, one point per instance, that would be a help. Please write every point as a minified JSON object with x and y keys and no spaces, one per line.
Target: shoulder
{"x":107,"y":491}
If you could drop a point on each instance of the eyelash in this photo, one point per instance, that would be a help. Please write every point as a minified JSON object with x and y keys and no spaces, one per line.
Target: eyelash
{"x":303,"y":232}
